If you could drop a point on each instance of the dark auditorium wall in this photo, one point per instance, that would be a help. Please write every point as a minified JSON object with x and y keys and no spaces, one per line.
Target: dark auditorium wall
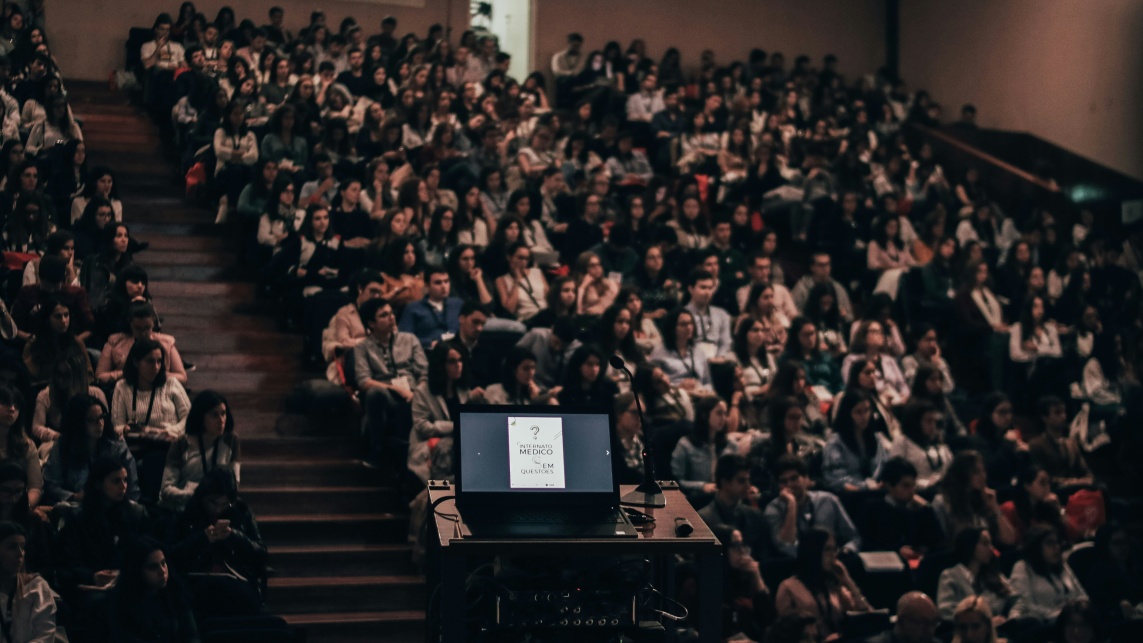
{"x":1065,"y":70}
{"x":853,"y":30}
{"x":87,"y":36}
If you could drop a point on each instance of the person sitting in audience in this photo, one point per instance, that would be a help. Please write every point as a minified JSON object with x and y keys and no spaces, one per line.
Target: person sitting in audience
{"x":980,"y":327}
{"x":15,"y":445}
{"x":388,"y":366}
{"x":629,"y":428}
{"x":54,"y":343}
{"x":928,"y":386}
{"x":679,"y":356}
{"x":346,"y":330}
{"x":920,"y":443}
{"x":1042,"y":581}
{"x":149,"y":603}
{"x":761,"y":308}
{"x":900,"y":521}
{"x":869,"y":344}
{"x":713,"y":333}
{"x":60,"y":243}
{"x":862,"y":377}
{"x":798,"y":509}
{"x":66,"y":382}
{"x":86,"y":434}
{"x":435,"y":315}
{"x":436,"y":401}
{"x":928,"y":353}
{"x":695,"y":454}
{"x":1033,"y":503}
{"x":141,"y":324}
{"x":965,"y":501}
{"x":595,"y":291}
{"x":517,"y":384}
{"x":552,"y":347}
{"x":209,"y":443}
{"x":522,"y":290}
{"x":917,"y":621}
{"x":1115,"y":578}
{"x":730,"y":510}
{"x":998,"y":441}
{"x":92,"y":544}
{"x":806,"y":345}
{"x":1058,"y":453}
{"x":854,"y":454}
{"x":218,"y":531}
{"x":975,"y":574}
{"x":820,"y":265}
{"x":53,"y":275}
{"x":32,"y":613}
{"x":973,"y":622}
{"x":821,"y":587}
{"x":100,"y":269}
{"x":132,"y":285}
{"x":146,"y":402}
{"x":585,"y":381}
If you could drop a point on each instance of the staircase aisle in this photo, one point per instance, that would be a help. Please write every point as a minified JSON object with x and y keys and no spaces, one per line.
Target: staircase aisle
{"x":336,"y":536}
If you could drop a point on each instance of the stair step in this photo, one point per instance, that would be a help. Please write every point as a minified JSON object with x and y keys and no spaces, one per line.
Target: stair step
{"x":300,"y":448}
{"x":161,"y":241}
{"x":270,"y":499}
{"x":234,"y":341}
{"x":407,"y":626}
{"x":341,"y":529}
{"x":328,"y":471}
{"x":343,"y":560}
{"x":174,"y":322}
{"x":184,"y":257}
{"x":345,"y":593}
{"x":201,"y":291}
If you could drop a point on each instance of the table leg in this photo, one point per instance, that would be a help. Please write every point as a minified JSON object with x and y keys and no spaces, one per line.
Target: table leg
{"x":710,"y":597}
{"x":453,"y":612}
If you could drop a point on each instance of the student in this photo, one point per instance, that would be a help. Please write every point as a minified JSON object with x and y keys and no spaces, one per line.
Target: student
{"x":435,"y":315}
{"x":965,"y":501}
{"x":901,"y":521}
{"x":146,"y":401}
{"x":1043,"y":582}
{"x":31,"y":613}
{"x":436,"y":402}
{"x":86,"y":434}
{"x":854,"y":454}
{"x":729,"y":509}
{"x":798,"y":509}
{"x":713,"y":325}
{"x":821,"y":587}
{"x":920,"y":443}
{"x":210,"y":443}
{"x":694,"y":457}
{"x":975,"y":574}
{"x":518,"y":384}
{"x":149,"y":603}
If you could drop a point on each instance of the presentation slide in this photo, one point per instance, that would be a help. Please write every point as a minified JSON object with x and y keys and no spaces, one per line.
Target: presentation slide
{"x":536,"y":452}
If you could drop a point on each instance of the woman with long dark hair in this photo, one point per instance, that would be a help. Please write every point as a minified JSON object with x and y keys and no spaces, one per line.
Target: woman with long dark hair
{"x":436,"y":402}
{"x":585,"y":380}
{"x":149,"y":604}
{"x":219,"y":530}
{"x":517,"y":383}
{"x":976,"y":573}
{"x":209,"y":443}
{"x":695,"y":454}
{"x":965,"y":501}
{"x":146,"y":401}
{"x":1043,"y":581}
{"x":1034,"y":503}
{"x":98,"y":273}
{"x":467,"y":276}
{"x":855,"y":452}
{"x":804,"y":343}
{"x":678,"y":354}
{"x":54,"y":341}
{"x":929,"y":386}
{"x":920,"y":443}
{"x":998,"y":441}
{"x":821,"y":587}
{"x":653,"y":281}
{"x":86,"y":434}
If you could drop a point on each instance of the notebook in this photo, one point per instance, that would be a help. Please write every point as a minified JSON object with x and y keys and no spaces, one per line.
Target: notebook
{"x":530,"y":472}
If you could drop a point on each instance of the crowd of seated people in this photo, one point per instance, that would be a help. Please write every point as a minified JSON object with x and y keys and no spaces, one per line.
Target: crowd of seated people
{"x":826,"y":322}
{"x":108,"y":462}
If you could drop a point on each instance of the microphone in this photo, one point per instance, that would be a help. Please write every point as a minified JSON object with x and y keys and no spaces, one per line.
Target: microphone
{"x":649,"y":493}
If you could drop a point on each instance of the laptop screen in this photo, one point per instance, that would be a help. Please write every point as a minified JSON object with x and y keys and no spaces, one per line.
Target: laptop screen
{"x":522,"y":450}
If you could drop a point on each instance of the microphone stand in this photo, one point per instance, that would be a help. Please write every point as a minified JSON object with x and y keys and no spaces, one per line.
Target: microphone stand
{"x":649,"y":493}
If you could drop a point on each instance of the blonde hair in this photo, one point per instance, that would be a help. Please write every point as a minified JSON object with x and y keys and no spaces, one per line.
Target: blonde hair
{"x":979,"y":606}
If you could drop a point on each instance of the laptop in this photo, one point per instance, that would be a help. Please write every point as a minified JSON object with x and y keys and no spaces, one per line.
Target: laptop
{"x":530,"y":472}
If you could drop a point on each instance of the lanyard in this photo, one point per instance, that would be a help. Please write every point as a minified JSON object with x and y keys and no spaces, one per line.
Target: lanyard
{"x":526,"y":286}
{"x":391,"y":359}
{"x":702,"y":325}
{"x":150,"y":404}
{"x":213,"y":456}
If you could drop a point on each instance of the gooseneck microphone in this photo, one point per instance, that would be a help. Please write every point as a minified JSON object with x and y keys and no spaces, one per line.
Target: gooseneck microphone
{"x":649,"y":493}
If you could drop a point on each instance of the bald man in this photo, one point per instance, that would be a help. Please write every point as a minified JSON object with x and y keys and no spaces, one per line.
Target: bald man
{"x":917,"y":620}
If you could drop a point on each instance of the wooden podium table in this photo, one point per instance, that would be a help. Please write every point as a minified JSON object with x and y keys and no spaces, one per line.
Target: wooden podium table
{"x":655,"y":539}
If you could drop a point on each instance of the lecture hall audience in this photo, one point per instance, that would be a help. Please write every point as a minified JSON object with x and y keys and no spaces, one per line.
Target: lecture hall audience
{"x":811,"y":296}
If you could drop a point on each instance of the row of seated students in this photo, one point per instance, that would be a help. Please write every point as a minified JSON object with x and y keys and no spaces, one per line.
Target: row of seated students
{"x":452,"y":236}
{"x":107,"y":465}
